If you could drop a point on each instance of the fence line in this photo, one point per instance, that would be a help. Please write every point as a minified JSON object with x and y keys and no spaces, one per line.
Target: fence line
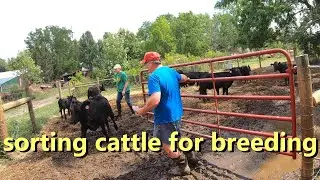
{"x":14,"y":104}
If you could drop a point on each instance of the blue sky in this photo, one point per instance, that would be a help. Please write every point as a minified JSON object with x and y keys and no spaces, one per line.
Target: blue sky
{"x":19,"y":17}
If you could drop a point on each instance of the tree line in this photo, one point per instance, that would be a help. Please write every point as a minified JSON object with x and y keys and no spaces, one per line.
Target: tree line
{"x":186,"y":37}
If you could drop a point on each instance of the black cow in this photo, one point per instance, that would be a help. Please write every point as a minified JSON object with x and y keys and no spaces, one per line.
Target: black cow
{"x":282,"y":67}
{"x":94,"y":113}
{"x":75,"y":110}
{"x":225,"y":85}
{"x":93,"y":91}
{"x":191,"y":75}
{"x":102,"y":88}
{"x":64,"y":103}
{"x":245,"y":70}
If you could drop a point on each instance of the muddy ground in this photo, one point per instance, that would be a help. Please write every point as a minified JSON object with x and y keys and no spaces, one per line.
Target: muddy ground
{"x":152,"y":165}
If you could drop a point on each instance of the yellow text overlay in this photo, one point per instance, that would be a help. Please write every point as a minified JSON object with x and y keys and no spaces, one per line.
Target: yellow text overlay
{"x":278,"y":143}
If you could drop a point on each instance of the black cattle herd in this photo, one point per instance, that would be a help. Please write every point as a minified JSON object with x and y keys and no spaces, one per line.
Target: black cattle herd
{"x":91,"y":113}
{"x":95,"y":111}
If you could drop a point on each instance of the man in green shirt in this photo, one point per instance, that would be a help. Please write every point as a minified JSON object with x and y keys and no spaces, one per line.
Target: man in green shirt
{"x":123,"y":88}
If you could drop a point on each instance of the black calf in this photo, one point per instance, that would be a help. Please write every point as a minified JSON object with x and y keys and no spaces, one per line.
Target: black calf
{"x":282,"y":67}
{"x":225,"y":85}
{"x":63,"y":105}
{"x":94,"y":112}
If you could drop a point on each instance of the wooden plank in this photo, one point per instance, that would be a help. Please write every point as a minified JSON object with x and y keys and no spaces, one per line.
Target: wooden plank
{"x":14,"y":104}
{"x":59,"y":89}
{"x":85,"y":85}
{"x":98,"y":82}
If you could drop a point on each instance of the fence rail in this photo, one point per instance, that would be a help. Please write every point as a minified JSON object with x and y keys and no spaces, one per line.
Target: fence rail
{"x":14,"y":104}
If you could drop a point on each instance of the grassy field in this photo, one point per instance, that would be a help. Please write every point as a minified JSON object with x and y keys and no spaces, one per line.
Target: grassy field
{"x":21,"y":126}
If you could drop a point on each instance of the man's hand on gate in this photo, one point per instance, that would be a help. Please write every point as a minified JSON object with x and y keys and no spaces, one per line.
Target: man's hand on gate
{"x":136,"y":109}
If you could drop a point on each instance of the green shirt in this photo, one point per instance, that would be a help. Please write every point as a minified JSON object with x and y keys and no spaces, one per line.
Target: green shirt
{"x":120,"y":79}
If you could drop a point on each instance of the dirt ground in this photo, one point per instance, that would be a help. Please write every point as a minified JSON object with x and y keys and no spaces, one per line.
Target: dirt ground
{"x":151,"y":165}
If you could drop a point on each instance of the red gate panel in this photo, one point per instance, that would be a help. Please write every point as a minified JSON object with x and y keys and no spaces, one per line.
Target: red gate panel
{"x":291,"y":97}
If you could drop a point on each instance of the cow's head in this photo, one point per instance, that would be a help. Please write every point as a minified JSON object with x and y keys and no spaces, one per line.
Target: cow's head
{"x":275,"y":66}
{"x":93,"y":91}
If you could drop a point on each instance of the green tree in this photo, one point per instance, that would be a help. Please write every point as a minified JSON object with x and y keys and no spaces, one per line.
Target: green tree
{"x":3,"y":65}
{"x":193,"y":33}
{"x":261,"y":22}
{"x":88,"y":49}
{"x":130,"y":43}
{"x":54,"y":50}
{"x":225,"y":32}
{"x":112,"y":52}
{"x":161,"y":37}
{"x":26,"y":67}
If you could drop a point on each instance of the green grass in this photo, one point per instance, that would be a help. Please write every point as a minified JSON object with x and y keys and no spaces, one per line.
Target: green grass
{"x":45,"y":94}
{"x":21,"y":126}
{"x":51,"y":93}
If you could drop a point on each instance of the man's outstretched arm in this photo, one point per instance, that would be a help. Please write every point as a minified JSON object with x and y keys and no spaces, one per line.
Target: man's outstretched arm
{"x":152,"y":103}
{"x":184,"y":78}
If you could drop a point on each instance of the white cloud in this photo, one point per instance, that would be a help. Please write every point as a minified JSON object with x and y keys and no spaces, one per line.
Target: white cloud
{"x":19,"y":17}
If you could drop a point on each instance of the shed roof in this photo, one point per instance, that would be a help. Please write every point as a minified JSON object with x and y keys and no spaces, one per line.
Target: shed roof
{"x":7,"y":76}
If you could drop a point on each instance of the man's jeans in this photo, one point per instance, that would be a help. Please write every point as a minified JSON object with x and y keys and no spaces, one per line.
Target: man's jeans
{"x":128,"y":100}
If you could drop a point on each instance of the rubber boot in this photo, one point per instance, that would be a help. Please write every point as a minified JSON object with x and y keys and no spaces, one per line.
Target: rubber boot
{"x":182,"y":166}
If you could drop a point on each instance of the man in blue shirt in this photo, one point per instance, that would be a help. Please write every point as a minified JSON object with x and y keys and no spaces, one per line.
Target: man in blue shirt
{"x":165,"y":101}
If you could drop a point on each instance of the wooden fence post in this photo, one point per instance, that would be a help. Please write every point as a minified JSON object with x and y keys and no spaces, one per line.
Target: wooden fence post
{"x":98,"y":82}
{"x":59,"y":88}
{"x":69,"y":86}
{"x":238,"y":62}
{"x":260,"y":62}
{"x":306,"y":108}
{"x":3,"y":124}
{"x":30,"y":107}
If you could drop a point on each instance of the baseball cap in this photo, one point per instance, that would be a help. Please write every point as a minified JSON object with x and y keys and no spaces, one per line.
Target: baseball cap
{"x":150,"y":56}
{"x":116,"y":66}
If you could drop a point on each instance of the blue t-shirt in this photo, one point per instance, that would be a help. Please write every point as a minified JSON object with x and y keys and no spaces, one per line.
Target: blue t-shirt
{"x":166,"y":80}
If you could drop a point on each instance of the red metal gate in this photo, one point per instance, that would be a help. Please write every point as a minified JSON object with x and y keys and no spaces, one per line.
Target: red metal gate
{"x":290,"y":97}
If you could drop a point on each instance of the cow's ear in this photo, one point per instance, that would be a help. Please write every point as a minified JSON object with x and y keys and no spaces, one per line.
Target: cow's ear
{"x":271,"y":64}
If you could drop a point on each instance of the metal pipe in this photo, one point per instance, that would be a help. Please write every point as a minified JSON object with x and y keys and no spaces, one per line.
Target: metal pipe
{"x":314,"y":67}
{"x":245,"y":115}
{"x":233,"y":78}
{"x":235,"y":57}
{"x":214,"y":93}
{"x":244,"y":97}
{"x":251,"y":132}
{"x":142,"y":86}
